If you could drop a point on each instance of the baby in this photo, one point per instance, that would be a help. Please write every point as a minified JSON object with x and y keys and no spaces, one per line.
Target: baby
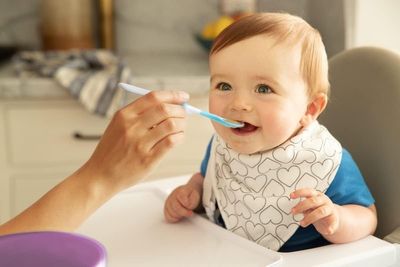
{"x":282,"y":180}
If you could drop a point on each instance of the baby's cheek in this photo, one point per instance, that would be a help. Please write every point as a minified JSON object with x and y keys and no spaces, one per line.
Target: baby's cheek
{"x":280,"y":127}
{"x":218,"y":128}
{"x":216,"y":108}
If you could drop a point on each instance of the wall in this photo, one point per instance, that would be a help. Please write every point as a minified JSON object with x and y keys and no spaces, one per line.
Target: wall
{"x":19,"y":23}
{"x":161,"y":26}
{"x":176,"y":31}
{"x":157,"y":36}
{"x":325,"y":15}
{"x":374,"y":23}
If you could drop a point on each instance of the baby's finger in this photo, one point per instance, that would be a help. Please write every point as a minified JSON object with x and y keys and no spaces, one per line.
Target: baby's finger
{"x":194,"y":200}
{"x":316,"y":215}
{"x":179,"y":210}
{"x":170,"y":216}
{"x":188,"y":197}
{"x":304,"y":192}
{"x":183,"y":197}
{"x":309,"y":204}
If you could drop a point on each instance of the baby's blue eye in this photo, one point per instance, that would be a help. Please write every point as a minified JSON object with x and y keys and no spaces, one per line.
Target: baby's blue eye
{"x":224,"y":87}
{"x":263,"y":89}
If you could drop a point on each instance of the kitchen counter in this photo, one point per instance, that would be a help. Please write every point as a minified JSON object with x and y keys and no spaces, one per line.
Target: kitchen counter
{"x":168,"y":64}
{"x":33,"y":163}
{"x":44,"y":88}
{"x":162,"y":71}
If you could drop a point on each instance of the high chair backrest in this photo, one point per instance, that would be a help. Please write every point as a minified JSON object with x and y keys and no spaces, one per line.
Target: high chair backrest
{"x":363,"y":113}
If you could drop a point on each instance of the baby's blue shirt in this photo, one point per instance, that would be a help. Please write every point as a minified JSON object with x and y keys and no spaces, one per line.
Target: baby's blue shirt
{"x":348,"y":187}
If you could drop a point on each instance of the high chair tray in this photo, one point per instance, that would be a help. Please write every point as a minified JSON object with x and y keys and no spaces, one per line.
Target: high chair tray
{"x":132,"y":228}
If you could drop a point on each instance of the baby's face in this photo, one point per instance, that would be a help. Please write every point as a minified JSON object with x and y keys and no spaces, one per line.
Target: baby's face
{"x":258,"y":81}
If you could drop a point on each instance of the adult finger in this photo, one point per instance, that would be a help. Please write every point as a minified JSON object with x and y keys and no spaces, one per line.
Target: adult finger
{"x":161,"y":147}
{"x":155,"y":97}
{"x":152,"y":127}
{"x":170,"y":132}
{"x":140,"y":124}
{"x":157,"y":114}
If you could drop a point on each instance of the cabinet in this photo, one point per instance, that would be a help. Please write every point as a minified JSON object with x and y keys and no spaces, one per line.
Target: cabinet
{"x":38,"y":148}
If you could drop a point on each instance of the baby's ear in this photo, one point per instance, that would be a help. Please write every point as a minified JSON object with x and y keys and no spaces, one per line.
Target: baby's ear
{"x":314,"y":108}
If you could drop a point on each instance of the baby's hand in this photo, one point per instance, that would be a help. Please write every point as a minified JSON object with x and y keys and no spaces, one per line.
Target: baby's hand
{"x":181,"y":203}
{"x":318,"y":209}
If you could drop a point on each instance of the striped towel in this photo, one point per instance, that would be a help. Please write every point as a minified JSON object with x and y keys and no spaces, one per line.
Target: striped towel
{"x":91,"y":76}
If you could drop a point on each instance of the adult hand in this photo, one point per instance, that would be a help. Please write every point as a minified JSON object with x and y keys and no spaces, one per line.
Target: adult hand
{"x":133,"y":143}
{"x":137,"y":138}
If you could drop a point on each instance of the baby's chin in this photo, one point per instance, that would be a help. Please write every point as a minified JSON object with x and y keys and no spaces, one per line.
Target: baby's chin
{"x":246,"y":151}
{"x":243,"y":148}
{"x":236,"y":145}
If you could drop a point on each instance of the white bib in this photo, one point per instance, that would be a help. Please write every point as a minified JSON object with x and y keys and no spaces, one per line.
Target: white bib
{"x":252,"y":191}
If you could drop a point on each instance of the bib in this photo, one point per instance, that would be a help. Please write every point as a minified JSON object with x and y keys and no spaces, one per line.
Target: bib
{"x":253,"y":191}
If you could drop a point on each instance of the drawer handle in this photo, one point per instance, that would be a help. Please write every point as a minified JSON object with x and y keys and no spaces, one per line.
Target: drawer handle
{"x":86,"y":137}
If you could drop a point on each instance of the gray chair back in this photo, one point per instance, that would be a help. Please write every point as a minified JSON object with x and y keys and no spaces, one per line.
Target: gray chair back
{"x":363,"y":113}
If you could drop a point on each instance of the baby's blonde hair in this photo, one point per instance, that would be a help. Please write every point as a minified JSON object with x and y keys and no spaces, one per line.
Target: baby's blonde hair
{"x":289,"y":29}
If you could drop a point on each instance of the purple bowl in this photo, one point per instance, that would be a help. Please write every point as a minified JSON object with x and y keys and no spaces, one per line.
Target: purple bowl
{"x":47,"y":249}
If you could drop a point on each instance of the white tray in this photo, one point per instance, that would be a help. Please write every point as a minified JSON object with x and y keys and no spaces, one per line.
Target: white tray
{"x":133,"y":229}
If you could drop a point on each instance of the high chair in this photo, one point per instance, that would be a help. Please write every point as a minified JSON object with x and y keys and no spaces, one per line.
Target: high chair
{"x":363,"y":114}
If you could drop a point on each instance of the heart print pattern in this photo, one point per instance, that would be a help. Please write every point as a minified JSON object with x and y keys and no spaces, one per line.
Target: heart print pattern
{"x":253,"y":191}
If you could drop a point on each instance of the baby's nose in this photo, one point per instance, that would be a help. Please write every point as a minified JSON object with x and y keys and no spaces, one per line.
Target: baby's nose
{"x":241,"y":102}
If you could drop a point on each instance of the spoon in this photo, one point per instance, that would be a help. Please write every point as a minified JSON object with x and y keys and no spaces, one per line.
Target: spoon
{"x":190,"y":109}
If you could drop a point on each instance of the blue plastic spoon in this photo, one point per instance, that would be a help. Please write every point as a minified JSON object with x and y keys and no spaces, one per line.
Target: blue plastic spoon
{"x":190,"y":109}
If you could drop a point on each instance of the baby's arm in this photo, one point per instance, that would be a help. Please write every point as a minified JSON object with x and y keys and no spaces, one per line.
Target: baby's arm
{"x":184,"y":199}
{"x":337,"y":224}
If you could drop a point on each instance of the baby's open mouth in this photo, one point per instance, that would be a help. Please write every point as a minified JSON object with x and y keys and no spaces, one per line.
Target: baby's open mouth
{"x":247,"y":128}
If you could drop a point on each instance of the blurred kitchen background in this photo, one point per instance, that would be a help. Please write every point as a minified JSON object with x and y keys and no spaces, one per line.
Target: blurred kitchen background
{"x":45,"y":133}
{"x":156,"y":37}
